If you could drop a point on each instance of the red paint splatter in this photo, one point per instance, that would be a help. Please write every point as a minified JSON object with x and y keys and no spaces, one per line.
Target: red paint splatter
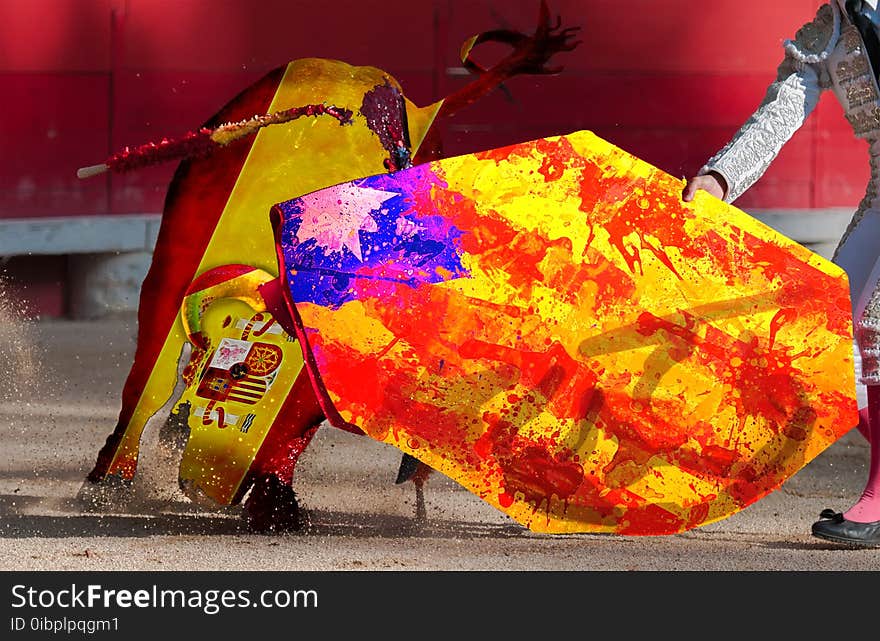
{"x":591,"y":174}
{"x":529,"y":466}
{"x":748,"y":486}
{"x":779,"y":319}
{"x":501,"y":154}
{"x":650,"y":519}
{"x":648,"y":324}
{"x":711,"y":459}
{"x":638,"y":213}
{"x":612,"y":284}
{"x":348,"y":368}
{"x":521,"y":256}
{"x":720,"y":251}
{"x":803,"y":286}
{"x":699,"y":513}
{"x":642,"y":432}
{"x":762,"y":380}
{"x":557,"y":156}
{"x":387,"y":403}
{"x":502,"y":249}
{"x":547,"y":372}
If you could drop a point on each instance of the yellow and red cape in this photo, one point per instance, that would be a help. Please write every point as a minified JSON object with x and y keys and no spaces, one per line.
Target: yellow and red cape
{"x":550,"y":325}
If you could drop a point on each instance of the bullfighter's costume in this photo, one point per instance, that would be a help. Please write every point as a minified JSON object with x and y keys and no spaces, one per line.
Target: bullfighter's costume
{"x":838,"y":50}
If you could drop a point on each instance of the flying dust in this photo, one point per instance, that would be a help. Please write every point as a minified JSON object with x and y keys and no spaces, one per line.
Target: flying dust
{"x":20,"y":364}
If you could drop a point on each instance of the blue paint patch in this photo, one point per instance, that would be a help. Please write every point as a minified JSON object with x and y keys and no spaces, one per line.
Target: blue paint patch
{"x":410,"y":246}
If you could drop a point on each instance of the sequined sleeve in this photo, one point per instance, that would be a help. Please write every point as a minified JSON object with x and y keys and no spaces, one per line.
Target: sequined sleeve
{"x":789,"y":100}
{"x":746,"y":157}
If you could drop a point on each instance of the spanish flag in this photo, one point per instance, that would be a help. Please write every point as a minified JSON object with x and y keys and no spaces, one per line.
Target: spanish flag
{"x":217,"y":213}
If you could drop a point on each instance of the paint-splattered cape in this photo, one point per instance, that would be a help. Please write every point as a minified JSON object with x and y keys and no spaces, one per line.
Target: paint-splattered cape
{"x":551,"y":326}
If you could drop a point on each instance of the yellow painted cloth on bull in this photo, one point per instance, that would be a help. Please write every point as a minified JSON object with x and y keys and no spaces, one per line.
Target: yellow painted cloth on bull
{"x":283,"y":161}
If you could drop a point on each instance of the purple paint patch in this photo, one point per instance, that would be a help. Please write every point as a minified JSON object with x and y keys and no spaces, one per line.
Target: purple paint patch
{"x":352,"y":241}
{"x":385,"y":112}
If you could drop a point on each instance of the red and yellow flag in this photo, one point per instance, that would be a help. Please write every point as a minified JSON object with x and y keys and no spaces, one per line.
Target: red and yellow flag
{"x":550,"y":325}
{"x":216,"y":213}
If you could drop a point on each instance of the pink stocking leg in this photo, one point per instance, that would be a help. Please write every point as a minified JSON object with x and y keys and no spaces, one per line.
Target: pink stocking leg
{"x":863,"y":426}
{"x":867,"y":509}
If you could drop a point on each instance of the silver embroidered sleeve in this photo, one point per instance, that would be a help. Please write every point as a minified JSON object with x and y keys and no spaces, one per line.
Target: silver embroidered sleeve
{"x":867,"y":333}
{"x":788,"y":102}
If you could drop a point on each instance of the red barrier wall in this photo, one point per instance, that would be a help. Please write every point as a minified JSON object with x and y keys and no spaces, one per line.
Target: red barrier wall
{"x":668,"y":80}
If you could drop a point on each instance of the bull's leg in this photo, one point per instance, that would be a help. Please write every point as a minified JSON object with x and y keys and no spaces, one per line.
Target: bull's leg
{"x":174,"y":432}
{"x":196,"y":200}
{"x":160,"y":337}
{"x":148,"y":387}
{"x":272,"y":504}
{"x":412,"y":469}
{"x":154,"y":372}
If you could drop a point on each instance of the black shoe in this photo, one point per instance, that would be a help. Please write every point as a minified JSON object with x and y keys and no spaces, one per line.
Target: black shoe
{"x":833,"y":527}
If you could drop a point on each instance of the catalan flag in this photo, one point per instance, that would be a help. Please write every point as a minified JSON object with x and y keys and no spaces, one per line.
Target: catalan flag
{"x":550,"y":325}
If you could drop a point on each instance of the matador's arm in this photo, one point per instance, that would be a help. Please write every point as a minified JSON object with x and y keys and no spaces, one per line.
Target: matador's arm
{"x":789,"y":100}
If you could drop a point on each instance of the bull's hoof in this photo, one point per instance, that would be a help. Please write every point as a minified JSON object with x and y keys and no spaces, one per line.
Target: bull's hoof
{"x":272,"y":507}
{"x":107,"y":495}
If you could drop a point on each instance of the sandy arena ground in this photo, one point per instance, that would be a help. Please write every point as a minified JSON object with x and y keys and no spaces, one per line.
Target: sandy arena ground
{"x":61,"y":400}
